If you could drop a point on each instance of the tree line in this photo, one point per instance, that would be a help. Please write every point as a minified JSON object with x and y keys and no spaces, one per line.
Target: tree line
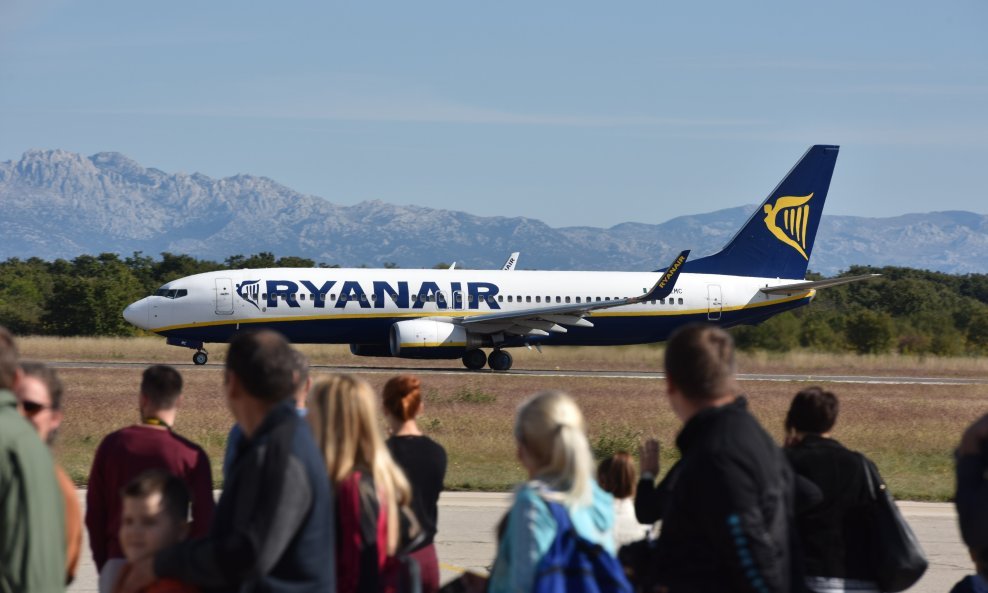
{"x":905,"y":310}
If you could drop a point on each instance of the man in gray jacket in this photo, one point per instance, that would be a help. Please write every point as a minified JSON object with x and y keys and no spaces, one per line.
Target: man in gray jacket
{"x":273,"y":529}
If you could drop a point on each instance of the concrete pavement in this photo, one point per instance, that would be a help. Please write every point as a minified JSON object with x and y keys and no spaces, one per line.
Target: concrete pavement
{"x":468,"y":523}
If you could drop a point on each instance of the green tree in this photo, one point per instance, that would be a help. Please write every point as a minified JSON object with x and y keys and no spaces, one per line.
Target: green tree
{"x":869,"y":332}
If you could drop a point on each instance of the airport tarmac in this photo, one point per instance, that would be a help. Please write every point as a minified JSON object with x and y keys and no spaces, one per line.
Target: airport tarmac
{"x":648,"y":375}
{"x":468,"y":520}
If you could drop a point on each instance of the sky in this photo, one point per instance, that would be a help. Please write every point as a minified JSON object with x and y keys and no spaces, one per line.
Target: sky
{"x":575,"y":113}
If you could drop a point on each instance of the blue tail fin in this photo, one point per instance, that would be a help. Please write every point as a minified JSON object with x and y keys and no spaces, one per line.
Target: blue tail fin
{"x":777,"y":240}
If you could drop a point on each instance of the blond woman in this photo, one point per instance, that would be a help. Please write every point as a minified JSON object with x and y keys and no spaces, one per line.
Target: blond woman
{"x":370,"y":488}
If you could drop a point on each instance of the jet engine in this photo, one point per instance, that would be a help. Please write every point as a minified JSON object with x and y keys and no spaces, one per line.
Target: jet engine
{"x":426,"y":338}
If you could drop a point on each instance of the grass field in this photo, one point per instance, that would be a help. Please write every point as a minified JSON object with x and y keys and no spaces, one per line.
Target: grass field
{"x":908,"y":430}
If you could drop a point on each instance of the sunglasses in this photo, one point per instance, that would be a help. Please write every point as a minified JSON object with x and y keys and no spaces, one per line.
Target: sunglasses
{"x":32,"y":408}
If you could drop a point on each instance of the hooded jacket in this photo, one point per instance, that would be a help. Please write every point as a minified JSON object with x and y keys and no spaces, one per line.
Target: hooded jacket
{"x":531,"y":529}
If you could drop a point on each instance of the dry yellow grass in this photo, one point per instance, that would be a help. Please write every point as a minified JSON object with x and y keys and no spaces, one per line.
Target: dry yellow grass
{"x":909,"y":430}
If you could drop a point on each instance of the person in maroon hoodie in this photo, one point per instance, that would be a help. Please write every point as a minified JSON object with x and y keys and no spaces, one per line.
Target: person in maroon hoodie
{"x":151,"y":444}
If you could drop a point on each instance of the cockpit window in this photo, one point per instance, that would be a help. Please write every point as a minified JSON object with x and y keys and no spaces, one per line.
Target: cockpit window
{"x":171,"y":293}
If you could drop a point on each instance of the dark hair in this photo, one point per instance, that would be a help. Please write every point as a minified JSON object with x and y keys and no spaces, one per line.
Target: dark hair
{"x":301,"y":372}
{"x":402,"y":396}
{"x":813,"y":410}
{"x":8,"y":359}
{"x":49,"y":377}
{"x":174,"y":494}
{"x":699,"y":361}
{"x":264,"y":363}
{"x":617,"y":475}
{"x":162,"y":385}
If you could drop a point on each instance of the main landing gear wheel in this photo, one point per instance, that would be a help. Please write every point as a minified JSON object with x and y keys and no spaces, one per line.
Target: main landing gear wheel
{"x":200,"y":357}
{"x":474,"y":359}
{"x":499,"y":360}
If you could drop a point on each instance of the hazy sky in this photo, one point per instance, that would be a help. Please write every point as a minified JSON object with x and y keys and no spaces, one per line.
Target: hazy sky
{"x":576,"y":113}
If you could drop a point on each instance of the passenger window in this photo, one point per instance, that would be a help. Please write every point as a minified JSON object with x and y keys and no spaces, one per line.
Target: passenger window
{"x":538,"y":299}
{"x":470,"y":298}
{"x":680,"y":301}
{"x":414,"y":298}
{"x":567,"y":299}
{"x":264,"y":296}
{"x":332,"y":296}
{"x":578,"y":299}
{"x":301,"y":296}
{"x":510,"y":299}
{"x":528,"y":299}
{"x":607,"y":298}
{"x":500,"y":298}
{"x":559,"y":299}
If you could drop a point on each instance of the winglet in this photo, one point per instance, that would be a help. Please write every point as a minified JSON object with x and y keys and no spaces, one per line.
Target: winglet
{"x":664,"y":286}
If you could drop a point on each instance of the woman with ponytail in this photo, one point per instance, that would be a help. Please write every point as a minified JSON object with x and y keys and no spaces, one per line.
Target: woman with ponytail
{"x":424,"y":462}
{"x":553,"y":448}
{"x":370,"y":488}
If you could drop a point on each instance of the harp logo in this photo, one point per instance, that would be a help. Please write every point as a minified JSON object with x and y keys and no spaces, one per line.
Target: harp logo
{"x":250,"y":291}
{"x":790,"y":227}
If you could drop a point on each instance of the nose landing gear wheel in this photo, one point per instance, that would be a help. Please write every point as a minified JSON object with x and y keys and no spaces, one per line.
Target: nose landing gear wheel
{"x":499,"y":360}
{"x":474,"y":359}
{"x":200,"y":358}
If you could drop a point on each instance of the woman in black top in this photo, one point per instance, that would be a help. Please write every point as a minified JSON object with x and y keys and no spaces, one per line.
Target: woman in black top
{"x":424,"y":462}
{"x":835,"y":533}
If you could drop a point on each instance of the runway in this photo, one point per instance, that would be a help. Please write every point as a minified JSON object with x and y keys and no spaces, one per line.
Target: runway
{"x":520,"y":373}
{"x":468,"y":523}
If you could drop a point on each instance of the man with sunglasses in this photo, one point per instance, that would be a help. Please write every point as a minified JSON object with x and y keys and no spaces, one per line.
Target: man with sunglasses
{"x":39,"y":399}
{"x":32,"y":517}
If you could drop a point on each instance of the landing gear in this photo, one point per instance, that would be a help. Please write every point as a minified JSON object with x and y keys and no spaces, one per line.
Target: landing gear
{"x":499,"y":360}
{"x":474,"y":359}
{"x":200,"y":357}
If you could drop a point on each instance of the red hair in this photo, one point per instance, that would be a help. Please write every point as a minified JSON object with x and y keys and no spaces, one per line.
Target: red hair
{"x":403,"y":396}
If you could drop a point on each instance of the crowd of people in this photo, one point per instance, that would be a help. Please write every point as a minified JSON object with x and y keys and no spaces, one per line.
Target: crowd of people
{"x":316,"y":497}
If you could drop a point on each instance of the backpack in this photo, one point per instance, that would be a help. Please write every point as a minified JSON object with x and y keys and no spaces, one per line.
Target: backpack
{"x":573,"y":564}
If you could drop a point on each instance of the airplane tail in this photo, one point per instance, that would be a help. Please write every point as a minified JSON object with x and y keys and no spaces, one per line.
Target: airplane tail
{"x":776,"y":242}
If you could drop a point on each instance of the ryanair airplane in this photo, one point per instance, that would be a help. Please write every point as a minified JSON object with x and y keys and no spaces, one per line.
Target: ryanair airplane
{"x":458,"y":313}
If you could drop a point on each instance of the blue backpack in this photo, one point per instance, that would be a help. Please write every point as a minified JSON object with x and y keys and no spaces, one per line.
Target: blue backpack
{"x":573,"y":564}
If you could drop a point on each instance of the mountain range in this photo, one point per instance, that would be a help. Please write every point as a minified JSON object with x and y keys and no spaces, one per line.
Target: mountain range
{"x":60,"y":204}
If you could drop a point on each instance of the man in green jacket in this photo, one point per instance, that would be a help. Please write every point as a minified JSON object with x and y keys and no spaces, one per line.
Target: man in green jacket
{"x":32,"y":517}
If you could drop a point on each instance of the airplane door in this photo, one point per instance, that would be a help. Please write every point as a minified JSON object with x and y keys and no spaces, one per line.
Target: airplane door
{"x":714,"y":302}
{"x":224,"y":296}
{"x":458,"y":300}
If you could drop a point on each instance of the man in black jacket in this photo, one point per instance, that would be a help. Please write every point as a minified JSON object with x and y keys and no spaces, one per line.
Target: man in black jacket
{"x":273,"y":529}
{"x":727,"y":512}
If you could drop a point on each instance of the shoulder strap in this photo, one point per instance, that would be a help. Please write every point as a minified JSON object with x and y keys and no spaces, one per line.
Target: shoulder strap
{"x":872,"y":481}
{"x":560,"y":514}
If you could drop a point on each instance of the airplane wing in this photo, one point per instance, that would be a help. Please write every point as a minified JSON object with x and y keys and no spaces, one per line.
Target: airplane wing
{"x":543,"y":320}
{"x":511,"y":262}
{"x":800,"y":286}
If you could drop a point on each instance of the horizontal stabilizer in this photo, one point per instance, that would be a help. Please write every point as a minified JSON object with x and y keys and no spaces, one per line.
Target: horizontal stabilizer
{"x":799,"y":286}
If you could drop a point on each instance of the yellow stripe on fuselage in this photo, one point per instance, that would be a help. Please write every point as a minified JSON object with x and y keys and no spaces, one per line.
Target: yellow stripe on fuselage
{"x":460,"y":313}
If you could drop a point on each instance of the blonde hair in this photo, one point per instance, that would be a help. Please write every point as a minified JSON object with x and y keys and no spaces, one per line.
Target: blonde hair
{"x":343,"y":417}
{"x":550,"y":427}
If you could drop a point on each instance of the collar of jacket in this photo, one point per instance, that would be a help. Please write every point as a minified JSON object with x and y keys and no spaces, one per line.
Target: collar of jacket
{"x":7,"y":398}
{"x":698,"y":424}
{"x":279,"y":413}
{"x":812,"y":441}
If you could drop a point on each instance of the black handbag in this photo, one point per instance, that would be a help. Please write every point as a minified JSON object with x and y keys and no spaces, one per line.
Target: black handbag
{"x":897,"y":557}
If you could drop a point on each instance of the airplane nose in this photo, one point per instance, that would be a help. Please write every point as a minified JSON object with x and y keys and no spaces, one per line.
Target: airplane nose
{"x":137,"y":313}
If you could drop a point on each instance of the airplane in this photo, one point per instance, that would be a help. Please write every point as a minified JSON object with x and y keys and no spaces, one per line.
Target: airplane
{"x":449,"y":314}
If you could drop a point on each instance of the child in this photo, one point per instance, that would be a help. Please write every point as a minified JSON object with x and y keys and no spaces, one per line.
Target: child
{"x":155,"y":516}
